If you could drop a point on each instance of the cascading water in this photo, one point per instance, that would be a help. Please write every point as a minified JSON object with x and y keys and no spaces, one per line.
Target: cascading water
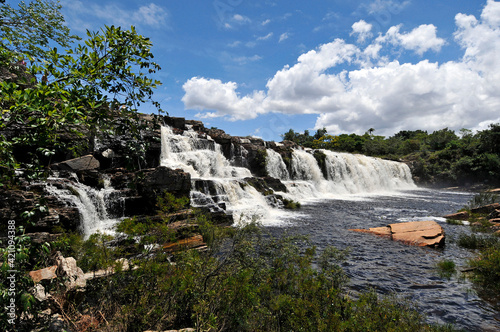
{"x":218,"y":184}
{"x":275,"y":166}
{"x":93,"y":205}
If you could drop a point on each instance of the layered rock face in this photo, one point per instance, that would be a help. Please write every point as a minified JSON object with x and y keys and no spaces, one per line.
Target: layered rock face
{"x":106,"y":166}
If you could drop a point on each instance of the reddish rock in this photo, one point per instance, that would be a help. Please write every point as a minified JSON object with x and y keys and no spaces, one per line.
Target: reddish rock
{"x":188,"y":243}
{"x":464,"y":215}
{"x":44,"y":274}
{"x":418,"y":233}
{"x":486,"y":208}
{"x":381,"y":231}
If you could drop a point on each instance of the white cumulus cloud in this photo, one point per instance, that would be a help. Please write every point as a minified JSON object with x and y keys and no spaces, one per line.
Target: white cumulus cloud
{"x":222,"y":99}
{"x":420,"y":39}
{"x":380,"y":92}
{"x":362,"y":29}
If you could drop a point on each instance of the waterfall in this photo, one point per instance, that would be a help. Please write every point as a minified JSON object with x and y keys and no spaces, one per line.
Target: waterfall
{"x":200,"y":157}
{"x":219,"y":184}
{"x":275,"y":166}
{"x":216,"y":182}
{"x":93,"y":205}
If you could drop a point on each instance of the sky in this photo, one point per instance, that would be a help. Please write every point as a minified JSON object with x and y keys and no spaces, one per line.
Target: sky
{"x":260,"y":68}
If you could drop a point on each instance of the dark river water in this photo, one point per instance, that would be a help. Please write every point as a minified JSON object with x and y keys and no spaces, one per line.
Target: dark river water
{"x":392,"y":267}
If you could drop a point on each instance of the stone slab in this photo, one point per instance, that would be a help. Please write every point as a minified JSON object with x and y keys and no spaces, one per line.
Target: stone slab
{"x":44,"y":274}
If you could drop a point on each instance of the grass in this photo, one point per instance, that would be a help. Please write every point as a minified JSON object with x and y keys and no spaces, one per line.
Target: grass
{"x":446,"y":268}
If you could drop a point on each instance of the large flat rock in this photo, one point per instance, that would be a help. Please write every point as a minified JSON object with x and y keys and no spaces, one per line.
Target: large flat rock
{"x":418,"y":233}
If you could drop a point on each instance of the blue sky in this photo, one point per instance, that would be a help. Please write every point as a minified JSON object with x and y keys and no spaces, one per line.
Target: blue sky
{"x":263,"y":67}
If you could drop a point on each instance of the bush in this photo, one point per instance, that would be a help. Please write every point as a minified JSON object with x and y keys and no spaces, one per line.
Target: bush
{"x":247,"y":281}
{"x":481,"y":199}
{"x":446,"y":269}
{"x":486,"y":269}
{"x":474,"y":241}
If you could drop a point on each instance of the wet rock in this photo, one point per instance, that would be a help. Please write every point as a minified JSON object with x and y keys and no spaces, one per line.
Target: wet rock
{"x":87,"y":162}
{"x":165,"y":179}
{"x":266,"y":185}
{"x":154,"y":182}
{"x":418,"y":233}
{"x":464,"y":215}
{"x":494,"y":214}
{"x":486,"y":208}
{"x":176,"y":122}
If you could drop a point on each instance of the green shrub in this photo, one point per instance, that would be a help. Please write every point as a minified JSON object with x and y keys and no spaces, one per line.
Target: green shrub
{"x":481,"y":199}
{"x":247,"y":281}
{"x":291,"y":204}
{"x":168,"y":203}
{"x":474,"y":241}
{"x":446,"y":268}
{"x":486,"y":269}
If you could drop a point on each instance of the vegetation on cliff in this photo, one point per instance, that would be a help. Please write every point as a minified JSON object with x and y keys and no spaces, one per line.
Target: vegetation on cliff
{"x":53,"y":97}
{"x":441,"y":157}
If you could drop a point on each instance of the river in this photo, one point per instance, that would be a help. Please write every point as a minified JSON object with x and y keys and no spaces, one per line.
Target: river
{"x":392,"y":267}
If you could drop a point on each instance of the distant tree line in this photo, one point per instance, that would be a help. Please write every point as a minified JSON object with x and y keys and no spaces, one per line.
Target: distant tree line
{"x":441,"y":157}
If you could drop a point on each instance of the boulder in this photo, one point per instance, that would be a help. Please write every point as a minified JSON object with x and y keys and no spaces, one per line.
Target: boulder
{"x":464,"y":215}
{"x":44,"y":274}
{"x":38,"y":291}
{"x":84,"y":163}
{"x":67,"y":268}
{"x":418,"y":233}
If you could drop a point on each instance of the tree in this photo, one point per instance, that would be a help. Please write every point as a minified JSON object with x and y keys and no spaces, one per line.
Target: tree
{"x":82,"y":89}
{"x":29,"y":29}
{"x":490,"y":139}
{"x":320,"y":133}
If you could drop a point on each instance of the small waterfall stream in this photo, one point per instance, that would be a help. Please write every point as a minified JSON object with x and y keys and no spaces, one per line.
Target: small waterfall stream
{"x":93,"y":205}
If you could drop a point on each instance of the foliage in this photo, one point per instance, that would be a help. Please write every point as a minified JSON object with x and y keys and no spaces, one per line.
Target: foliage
{"x":168,"y":203}
{"x":475,"y":241}
{"x":30,"y":29}
{"x":291,"y":204}
{"x":247,"y":281}
{"x":146,"y":232}
{"x":19,"y":256}
{"x":482,"y":199}
{"x":66,"y":97}
{"x":486,"y":268}
{"x":446,"y":268}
